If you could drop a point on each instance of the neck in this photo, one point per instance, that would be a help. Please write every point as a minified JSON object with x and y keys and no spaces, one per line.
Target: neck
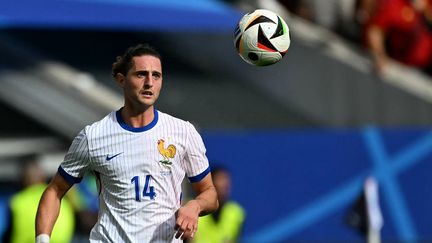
{"x":137,"y":118}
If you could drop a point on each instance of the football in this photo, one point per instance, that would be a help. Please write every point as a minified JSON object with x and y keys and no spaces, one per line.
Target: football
{"x":262,"y":37}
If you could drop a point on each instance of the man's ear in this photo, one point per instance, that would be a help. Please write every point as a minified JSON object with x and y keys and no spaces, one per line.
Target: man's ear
{"x":120,"y":78}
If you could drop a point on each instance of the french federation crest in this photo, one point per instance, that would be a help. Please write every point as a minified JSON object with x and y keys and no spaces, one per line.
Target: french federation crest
{"x":167,"y":153}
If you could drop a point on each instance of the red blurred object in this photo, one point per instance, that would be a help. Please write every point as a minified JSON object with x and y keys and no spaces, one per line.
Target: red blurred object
{"x":405,"y":28}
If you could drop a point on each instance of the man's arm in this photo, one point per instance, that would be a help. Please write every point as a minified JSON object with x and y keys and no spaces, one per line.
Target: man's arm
{"x":204,"y":203}
{"x":49,"y":205}
{"x":376,"y":40}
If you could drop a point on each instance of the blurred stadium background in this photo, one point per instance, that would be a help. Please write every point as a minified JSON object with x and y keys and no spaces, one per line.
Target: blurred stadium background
{"x":300,"y":137}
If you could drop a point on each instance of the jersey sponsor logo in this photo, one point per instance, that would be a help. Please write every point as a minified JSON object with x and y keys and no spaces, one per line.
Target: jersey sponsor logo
{"x":167,"y":153}
{"x":108,"y":158}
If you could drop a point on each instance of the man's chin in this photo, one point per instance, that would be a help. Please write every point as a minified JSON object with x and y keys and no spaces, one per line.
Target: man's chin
{"x":146,"y":101}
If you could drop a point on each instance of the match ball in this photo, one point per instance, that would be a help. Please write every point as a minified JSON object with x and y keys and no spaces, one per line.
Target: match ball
{"x":262,"y":37}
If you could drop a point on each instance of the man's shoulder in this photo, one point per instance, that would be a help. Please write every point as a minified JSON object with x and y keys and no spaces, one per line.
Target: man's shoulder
{"x":167,"y":118}
{"x":102,"y":124}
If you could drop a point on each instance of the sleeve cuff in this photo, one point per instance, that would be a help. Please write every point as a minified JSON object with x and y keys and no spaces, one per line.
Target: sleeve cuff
{"x":200,"y":176}
{"x":70,"y":179}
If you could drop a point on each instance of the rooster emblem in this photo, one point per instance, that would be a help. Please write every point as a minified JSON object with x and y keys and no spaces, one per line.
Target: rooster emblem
{"x":167,"y":153}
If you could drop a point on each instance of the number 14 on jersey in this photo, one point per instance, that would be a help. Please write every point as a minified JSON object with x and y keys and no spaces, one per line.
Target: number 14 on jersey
{"x":148,"y":191}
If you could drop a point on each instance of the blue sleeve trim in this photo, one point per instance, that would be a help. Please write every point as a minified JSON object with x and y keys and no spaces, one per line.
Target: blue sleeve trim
{"x":70,"y":179}
{"x":200,"y":176}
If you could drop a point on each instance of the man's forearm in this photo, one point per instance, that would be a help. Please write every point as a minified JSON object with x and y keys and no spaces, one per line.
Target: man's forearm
{"x":376,"y":41}
{"x":49,"y":205}
{"x":207,"y":201}
{"x":48,"y":211}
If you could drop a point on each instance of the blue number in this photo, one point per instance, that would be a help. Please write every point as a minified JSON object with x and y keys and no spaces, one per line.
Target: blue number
{"x":148,"y":191}
{"x":151,"y":192}
{"x":135,"y":180}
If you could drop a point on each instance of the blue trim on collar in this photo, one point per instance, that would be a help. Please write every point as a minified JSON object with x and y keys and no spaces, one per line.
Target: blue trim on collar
{"x":125,"y":126}
{"x":200,"y":176}
{"x":70,"y":179}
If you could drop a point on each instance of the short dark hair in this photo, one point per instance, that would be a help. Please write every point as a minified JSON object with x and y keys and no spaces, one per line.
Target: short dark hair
{"x":124,"y":63}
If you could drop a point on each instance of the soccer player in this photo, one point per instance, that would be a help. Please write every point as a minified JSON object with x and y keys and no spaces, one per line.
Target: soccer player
{"x":140,"y":156}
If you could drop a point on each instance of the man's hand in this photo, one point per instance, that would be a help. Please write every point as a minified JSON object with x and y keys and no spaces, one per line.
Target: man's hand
{"x":206,"y":202}
{"x":187,"y":220}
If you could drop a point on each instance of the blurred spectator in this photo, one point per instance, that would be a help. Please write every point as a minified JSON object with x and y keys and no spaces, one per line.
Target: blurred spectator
{"x":23,"y":206}
{"x":398,"y":30}
{"x":364,"y":9}
{"x":345,"y":17}
{"x":365,"y":215}
{"x":352,"y":16}
{"x":224,"y":225}
{"x":301,"y":8}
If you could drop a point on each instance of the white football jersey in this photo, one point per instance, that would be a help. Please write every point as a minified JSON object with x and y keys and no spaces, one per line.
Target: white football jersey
{"x":140,"y":171}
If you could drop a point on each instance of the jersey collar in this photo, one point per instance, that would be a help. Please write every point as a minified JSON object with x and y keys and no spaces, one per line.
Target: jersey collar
{"x":147,"y":127}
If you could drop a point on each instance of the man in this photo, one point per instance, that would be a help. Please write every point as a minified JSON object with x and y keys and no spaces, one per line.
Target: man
{"x":23,"y":206}
{"x":224,"y":225}
{"x":140,"y":157}
{"x":398,"y":30}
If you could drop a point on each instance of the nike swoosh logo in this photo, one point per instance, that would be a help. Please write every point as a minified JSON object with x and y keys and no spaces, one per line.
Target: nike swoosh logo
{"x":108,"y":158}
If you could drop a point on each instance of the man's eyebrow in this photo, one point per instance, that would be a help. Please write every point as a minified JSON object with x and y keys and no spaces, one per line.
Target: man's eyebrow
{"x":146,"y":71}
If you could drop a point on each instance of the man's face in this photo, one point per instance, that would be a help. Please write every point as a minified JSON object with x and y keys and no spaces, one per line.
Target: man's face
{"x":143,"y":82}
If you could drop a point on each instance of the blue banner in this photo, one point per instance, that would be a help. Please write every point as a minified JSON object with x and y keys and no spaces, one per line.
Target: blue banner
{"x":165,"y":15}
{"x":300,"y":185}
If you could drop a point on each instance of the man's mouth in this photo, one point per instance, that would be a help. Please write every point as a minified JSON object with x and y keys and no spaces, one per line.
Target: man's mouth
{"x":147,"y":93}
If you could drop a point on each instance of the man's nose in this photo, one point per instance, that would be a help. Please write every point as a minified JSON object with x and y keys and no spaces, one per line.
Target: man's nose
{"x":148,"y":80}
